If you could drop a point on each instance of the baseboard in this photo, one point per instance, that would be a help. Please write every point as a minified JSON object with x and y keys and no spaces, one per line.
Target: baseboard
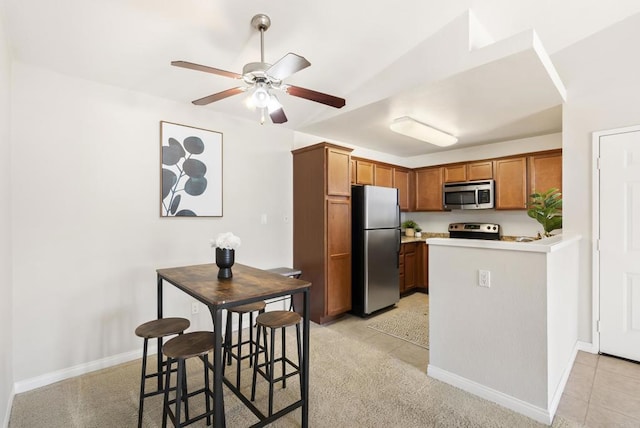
{"x":80,"y":369}
{"x":534,"y":412}
{"x":7,"y":412}
{"x":587,"y":347}
{"x":557,"y":395}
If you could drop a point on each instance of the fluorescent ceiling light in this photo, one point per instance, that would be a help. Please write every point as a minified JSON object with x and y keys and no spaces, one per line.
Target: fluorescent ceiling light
{"x":412,"y":128}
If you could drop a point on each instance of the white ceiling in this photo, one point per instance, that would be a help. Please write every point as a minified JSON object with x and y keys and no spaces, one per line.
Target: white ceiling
{"x":386,"y":60}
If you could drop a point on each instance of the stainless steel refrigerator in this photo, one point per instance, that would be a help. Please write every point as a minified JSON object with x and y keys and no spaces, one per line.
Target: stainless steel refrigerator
{"x":375,"y":248}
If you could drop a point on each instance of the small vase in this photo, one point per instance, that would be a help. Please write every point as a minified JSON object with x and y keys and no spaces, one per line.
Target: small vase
{"x":225,"y":258}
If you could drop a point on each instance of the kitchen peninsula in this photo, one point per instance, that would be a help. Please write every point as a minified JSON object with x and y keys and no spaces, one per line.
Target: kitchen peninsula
{"x":502,"y":319}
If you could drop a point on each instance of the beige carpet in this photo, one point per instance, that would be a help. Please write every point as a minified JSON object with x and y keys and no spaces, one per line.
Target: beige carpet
{"x":408,"y":321}
{"x":352,"y":385}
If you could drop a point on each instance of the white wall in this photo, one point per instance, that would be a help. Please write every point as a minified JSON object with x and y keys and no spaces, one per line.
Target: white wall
{"x":603,"y":92}
{"x":87,"y":236}
{"x":6,"y":342}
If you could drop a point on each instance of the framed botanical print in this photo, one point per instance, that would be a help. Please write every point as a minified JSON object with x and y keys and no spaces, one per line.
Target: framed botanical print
{"x":191,"y":171}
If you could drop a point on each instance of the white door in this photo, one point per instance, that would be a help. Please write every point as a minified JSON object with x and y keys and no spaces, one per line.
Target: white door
{"x":620,"y":244}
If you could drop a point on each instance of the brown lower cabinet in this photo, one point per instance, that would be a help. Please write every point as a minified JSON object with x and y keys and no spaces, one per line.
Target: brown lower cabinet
{"x":413,"y":266}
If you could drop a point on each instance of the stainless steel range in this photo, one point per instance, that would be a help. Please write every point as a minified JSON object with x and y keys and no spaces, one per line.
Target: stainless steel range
{"x":490,"y":231}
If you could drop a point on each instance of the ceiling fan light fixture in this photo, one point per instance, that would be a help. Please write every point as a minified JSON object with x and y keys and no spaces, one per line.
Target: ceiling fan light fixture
{"x":410,"y":127}
{"x":261,"y":96}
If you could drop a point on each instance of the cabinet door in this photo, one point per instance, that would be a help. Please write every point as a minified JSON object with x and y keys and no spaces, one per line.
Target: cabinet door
{"x":338,"y":168}
{"x":480,"y":170}
{"x":338,"y":292}
{"x":545,"y":172}
{"x":353,"y":171}
{"x":409,"y":266}
{"x":364,"y":172}
{"x":454,"y":173}
{"x":511,"y":183}
{"x":425,"y":266}
{"x":429,"y":189}
{"x":401,"y":182}
{"x":383,"y":175}
{"x":422,"y":259}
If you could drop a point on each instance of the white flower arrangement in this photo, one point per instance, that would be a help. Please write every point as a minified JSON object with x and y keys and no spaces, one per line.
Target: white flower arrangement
{"x":226,"y":240}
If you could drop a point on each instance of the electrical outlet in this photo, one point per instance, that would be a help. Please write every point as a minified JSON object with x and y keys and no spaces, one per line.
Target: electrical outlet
{"x":484,"y":278}
{"x":195,"y":308}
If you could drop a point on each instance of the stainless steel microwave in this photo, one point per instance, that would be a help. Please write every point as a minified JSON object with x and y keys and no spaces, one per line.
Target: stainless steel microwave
{"x":469,"y":195}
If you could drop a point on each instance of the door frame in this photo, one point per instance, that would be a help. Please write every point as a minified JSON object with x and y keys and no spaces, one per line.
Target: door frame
{"x":595,"y":227}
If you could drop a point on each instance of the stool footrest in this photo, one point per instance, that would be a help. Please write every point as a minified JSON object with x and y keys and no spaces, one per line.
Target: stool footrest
{"x":278,"y":360}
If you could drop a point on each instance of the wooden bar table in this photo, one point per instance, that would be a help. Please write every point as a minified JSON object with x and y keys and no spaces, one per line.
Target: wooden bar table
{"x":247,"y":285}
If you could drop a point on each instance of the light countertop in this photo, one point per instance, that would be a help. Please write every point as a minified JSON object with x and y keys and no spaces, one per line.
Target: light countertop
{"x":545,"y":245}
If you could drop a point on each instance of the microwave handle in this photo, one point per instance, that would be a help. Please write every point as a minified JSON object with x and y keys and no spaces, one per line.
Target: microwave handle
{"x":477,"y":197}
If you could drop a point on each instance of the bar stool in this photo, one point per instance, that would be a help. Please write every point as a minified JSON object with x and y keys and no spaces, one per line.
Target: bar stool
{"x":153,"y":330}
{"x":179,"y":349}
{"x":274,"y":320}
{"x":285,"y":271}
{"x":228,"y":342}
{"x":291,"y":273}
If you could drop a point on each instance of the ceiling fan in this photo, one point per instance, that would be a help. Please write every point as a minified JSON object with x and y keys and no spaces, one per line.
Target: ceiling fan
{"x":261,"y":77}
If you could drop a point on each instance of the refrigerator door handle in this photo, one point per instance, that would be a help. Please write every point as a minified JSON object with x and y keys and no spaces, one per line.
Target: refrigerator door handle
{"x":398,"y":248}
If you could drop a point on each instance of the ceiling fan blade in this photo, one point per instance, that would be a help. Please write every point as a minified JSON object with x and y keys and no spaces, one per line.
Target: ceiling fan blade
{"x":206,"y":69}
{"x":275,"y":110}
{"x":218,"y":96}
{"x":278,"y":116}
{"x":286,"y":66}
{"x":318,"y":97}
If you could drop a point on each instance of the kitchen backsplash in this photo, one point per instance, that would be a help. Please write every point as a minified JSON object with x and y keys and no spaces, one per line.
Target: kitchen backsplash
{"x":513,"y":223}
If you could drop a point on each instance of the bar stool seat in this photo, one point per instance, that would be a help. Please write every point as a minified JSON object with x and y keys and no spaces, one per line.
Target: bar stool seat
{"x":291,"y":273}
{"x":179,"y":349}
{"x":274,"y":320}
{"x":229,"y":346}
{"x":153,"y":330}
{"x":286,"y":271}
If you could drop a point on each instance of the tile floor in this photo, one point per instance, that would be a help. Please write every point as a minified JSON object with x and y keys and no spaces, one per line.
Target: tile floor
{"x":601,"y":391}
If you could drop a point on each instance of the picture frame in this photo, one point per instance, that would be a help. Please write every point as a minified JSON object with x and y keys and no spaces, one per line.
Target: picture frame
{"x":190,"y":171}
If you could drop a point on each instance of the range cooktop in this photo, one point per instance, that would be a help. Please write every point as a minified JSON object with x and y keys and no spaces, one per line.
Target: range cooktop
{"x":489,"y":231}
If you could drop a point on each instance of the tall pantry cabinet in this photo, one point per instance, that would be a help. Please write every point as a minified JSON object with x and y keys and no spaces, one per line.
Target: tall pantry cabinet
{"x":322,"y":226}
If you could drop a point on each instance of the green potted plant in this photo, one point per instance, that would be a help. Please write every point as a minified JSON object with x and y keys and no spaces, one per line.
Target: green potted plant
{"x":546,"y":209}
{"x":418,"y":233}
{"x":409,"y":227}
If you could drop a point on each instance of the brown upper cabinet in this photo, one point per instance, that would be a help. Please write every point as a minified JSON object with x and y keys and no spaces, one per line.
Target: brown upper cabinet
{"x":338,"y":167}
{"x":511,"y":183}
{"x":429,"y":188}
{"x":364,"y":172}
{"x":402,"y":182}
{"x":455,"y":173}
{"x":480,"y":170}
{"x":545,"y":172}
{"x":421,"y":189}
{"x":518,"y":177}
{"x":383,"y":175}
{"x":470,"y":171}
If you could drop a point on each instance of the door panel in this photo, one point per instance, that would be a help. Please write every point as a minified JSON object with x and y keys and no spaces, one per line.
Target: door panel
{"x":620,"y":245}
{"x":381,"y":269}
{"x":381,"y":207}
